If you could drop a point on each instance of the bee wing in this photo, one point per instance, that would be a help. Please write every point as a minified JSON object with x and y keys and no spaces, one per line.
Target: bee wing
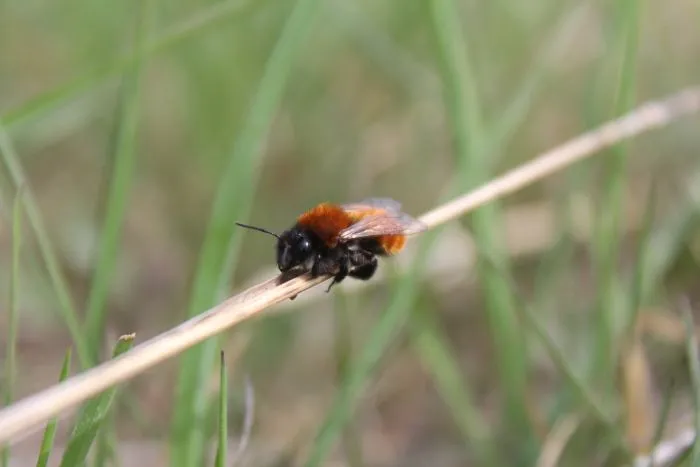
{"x":373,"y":204}
{"x":385,"y":223}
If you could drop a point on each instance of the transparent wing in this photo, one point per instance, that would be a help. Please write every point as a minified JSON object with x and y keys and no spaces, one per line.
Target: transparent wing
{"x":384,"y":223}
{"x":373,"y":204}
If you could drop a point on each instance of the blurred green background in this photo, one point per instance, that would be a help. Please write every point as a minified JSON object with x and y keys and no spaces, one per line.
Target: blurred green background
{"x":141,"y":130}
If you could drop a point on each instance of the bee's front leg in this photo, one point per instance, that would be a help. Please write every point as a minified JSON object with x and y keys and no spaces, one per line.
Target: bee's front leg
{"x":336,"y":265}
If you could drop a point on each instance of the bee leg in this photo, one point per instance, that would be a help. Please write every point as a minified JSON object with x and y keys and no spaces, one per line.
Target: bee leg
{"x":365,"y":271}
{"x":335,"y":266}
{"x":364,"y":264}
{"x":342,"y":274}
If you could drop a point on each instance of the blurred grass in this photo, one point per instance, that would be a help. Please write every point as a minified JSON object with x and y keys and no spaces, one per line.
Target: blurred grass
{"x":66,"y":304}
{"x":363,"y":116}
{"x":636,"y":298}
{"x":519,"y":105}
{"x":360,"y":370}
{"x":220,"y":247}
{"x":50,"y":431}
{"x":55,"y":98}
{"x":462,"y":102}
{"x":664,"y":412}
{"x":637,"y":390}
{"x":91,"y":416}
{"x":692,"y":350}
{"x":351,"y":441}
{"x":431,"y":344}
{"x":124,"y":157}
{"x":625,"y":18}
{"x":586,"y":396}
{"x":673,"y":232}
{"x":106,"y":445}
{"x":222,"y":444}
{"x":10,"y":363}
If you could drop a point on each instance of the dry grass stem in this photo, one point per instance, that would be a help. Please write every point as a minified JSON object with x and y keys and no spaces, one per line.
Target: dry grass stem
{"x":651,"y":115}
{"x":554,"y":444}
{"x":638,"y":395}
{"x":27,"y":414}
{"x":668,"y":451}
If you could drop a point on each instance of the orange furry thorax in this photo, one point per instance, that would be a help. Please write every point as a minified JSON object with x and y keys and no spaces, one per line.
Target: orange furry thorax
{"x":327,"y":220}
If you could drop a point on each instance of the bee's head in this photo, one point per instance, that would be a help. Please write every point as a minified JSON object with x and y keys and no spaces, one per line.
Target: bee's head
{"x":294,"y":249}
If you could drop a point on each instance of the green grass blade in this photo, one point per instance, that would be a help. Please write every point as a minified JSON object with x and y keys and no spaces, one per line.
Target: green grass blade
{"x":203,"y":21}
{"x":51,"y":100}
{"x":232,"y":202}
{"x":222,"y":450}
{"x":461,"y":98}
{"x":124,"y":159}
{"x":65,"y":300}
{"x":91,"y":416}
{"x":607,"y":242}
{"x":501,"y":132}
{"x":432,"y":346}
{"x":12,"y":306}
{"x":359,"y":371}
{"x":50,"y":430}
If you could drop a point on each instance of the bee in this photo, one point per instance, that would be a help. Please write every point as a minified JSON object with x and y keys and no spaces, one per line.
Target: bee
{"x":343,"y":239}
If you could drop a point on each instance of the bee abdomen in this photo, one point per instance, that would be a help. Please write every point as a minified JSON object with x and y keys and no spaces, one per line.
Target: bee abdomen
{"x":392,"y":244}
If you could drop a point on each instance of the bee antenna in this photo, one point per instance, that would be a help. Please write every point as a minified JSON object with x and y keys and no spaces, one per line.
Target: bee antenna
{"x":259,"y":229}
